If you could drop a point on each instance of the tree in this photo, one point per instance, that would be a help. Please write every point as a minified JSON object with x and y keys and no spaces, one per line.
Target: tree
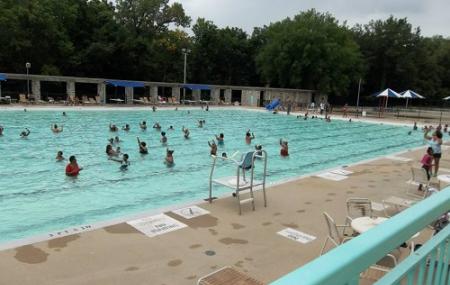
{"x":310,"y":51}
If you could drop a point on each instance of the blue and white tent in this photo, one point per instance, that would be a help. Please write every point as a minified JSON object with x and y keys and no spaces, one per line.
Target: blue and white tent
{"x":387,"y":93}
{"x":409,"y":94}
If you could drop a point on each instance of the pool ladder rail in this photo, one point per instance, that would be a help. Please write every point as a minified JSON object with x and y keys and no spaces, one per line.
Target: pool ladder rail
{"x":237,"y":183}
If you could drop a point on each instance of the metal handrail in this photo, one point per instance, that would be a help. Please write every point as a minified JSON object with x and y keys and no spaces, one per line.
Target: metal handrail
{"x":343,"y":264}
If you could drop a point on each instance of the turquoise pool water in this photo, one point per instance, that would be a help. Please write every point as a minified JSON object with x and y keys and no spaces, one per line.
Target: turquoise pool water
{"x":36,"y":197}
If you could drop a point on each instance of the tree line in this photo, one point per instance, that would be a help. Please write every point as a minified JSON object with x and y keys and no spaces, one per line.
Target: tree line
{"x":144,"y":40}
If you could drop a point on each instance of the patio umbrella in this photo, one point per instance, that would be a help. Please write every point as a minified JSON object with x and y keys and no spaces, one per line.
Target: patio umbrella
{"x":409,"y":94}
{"x":386,"y":93}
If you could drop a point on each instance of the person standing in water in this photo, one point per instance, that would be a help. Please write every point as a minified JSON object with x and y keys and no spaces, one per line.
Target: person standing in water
{"x":143,"y":125}
{"x":25,"y":133}
{"x":157,"y":126}
{"x":163,"y":138}
{"x":220,"y":139}
{"x":169,"y":161}
{"x":1,"y":130}
{"x":124,"y":162}
{"x":59,"y":156}
{"x":113,"y":128}
{"x":213,"y":146}
{"x":142,"y":147}
{"x":126,"y":128}
{"x":72,"y":169}
{"x":55,"y":129}
{"x":185,"y":132}
{"x":284,"y":151}
{"x":248,"y":137}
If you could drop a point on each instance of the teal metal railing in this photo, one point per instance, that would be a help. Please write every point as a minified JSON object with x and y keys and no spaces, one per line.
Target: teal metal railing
{"x":428,"y":265}
{"x":343,"y":264}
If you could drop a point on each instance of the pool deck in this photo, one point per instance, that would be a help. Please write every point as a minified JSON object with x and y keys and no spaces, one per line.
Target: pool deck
{"x":119,"y":254}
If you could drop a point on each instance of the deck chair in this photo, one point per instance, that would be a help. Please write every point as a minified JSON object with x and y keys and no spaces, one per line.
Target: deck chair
{"x":378,"y":270}
{"x":85,"y":100}
{"x":146,"y":101}
{"x":139,"y":101}
{"x":23,"y":99}
{"x":419,"y":177}
{"x":335,"y":236}
{"x":92,"y":100}
{"x":227,"y":276}
{"x":358,"y":207}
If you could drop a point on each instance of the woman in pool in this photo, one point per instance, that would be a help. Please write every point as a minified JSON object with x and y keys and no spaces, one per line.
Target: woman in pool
{"x":25,"y":133}
{"x":163,"y":138}
{"x":220,"y":139}
{"x":213,"y":146}
{"x":124,"y":162}
{"x":157,"y":126}
{"x":72,"y":169}
{"x":249,"y":137}
{"x":143,"y":125}
{"x":126,"y":128}
{"x":169,"y":157}
{"x":110,"y":150}
{"x":284,"y":151}
{"x":113,"y":128}
{"x":59,"y":156}
{"x":435,"y":142}
{"x":142,"y":147}
{"x":185,"y":132}
{"x":55,"y":129}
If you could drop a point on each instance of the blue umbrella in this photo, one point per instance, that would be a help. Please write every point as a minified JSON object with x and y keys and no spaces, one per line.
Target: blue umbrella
{"x":387,"y":93}
{"x":409,"y":94}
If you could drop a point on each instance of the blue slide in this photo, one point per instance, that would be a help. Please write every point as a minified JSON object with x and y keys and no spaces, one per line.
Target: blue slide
{"x":273,"y":104}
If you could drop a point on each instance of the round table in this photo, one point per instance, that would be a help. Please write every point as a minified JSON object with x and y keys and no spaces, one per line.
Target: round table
{"x":363,"y":224}
{"x":444,"y":178}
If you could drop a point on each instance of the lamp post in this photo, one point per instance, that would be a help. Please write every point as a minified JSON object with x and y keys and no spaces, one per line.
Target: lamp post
{"x":28,"y":66}
{"x":185,"y":52}
{"x":357,"y":100}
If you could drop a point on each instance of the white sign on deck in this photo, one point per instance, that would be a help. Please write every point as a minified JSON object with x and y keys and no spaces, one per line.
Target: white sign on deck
{"x":296,"y":235}
{"x":156,"y":225}
{"x":190,"y":212}
{"x":332,"y":176}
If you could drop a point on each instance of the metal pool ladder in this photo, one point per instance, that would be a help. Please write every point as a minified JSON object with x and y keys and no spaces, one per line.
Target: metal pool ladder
{"x":241,"y":184}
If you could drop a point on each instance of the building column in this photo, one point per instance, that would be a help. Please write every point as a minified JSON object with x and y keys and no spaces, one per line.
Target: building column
{"x":215,"y":95}
{"x":129,"y":95}
{"x":153,"y":94}
{"x":36,"y":89}
{"x":101,"y":92}
{"x":228,"y":95}
{"x":176,"y":93}
{"x":70,"y":89}
{"x":196,"y":95}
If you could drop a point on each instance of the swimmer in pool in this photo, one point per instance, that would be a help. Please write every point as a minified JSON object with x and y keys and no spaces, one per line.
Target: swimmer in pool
{"x":163,"y":138}
{"x":153,"y":108}
{"x":171,"y":128}
{"x":126,"y":128}
{"x":207,"y":108}
{"x":415,"y":126}
{"x":110,"y":150}
{"x":200,"y":123}
{"x":249,"y":137}
{"x":64,"y":114}
{"x":117,"y":140}
{"x":169,"y":157}
{"x":284,"y":151}
{"x":25,"y":133}
{"x":113,"y":128}
{"x":142,"y":147}
{"x":258,"y":149}
{"x":55,"y":129}
{"x":143,"y":125}
{"x":72,"y":169}
{"x":1,"y":130}
{"x":59,"y":156}
{"x":220,"y":139}
{"x":185,"y":132}
{"x":213,"y":146}
{"x":124,"y":162}
{"x":157,"y":126}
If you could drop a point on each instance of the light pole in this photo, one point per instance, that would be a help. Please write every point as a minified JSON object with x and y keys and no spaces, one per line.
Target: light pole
{"x":28,"y":66}
{"x":357,"y":100}
{"x":185,"y":52}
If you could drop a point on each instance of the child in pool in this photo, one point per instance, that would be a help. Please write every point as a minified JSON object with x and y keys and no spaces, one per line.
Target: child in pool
{"x":249,"y":137}
{"x":59,"y":156}
{"x":213,"y":146}
{"x":124,"y":162}
{"x":142,"y":147}
{"x":185,"y":132}
{"x":143,"y":125}
{"x":163,"y":138}
{"x":169,"y":157}
{"x":284,"y":151}
{"x":220,"y":139}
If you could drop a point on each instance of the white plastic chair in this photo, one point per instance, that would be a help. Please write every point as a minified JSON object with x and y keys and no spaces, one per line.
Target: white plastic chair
{"x":334,"y":235}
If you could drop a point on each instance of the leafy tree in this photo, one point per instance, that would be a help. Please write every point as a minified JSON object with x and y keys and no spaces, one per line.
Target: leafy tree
{"x":310,"y":51}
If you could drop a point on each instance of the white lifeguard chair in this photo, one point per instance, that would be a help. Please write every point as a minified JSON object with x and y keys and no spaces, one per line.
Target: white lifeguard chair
{"x":239,"y":183}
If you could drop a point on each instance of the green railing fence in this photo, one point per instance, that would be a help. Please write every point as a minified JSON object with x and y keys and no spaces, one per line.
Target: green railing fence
{"x":343,"y":265}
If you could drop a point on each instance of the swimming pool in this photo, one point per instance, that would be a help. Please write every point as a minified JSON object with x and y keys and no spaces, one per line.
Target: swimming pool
{"x":36,"y":197}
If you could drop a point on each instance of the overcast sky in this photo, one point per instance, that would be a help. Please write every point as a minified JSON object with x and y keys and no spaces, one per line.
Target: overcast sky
{"x":430,"y":15}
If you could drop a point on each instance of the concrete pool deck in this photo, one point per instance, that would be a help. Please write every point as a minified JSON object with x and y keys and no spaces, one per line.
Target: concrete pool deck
{"x":119,"y":254}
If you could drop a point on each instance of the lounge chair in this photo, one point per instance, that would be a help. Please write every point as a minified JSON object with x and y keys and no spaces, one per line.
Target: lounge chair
{"x":146,"y":101}
{"x":85,"y":100}
{"x":335,"y":236}
{"x":50,"y":100}
{"x":23,"y":99}
{"x":98,"y":100}
{"x":117,"y":100}
{"x":226,"y":276}
{"x":139,"y":101}
{"x":92,"y":101}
